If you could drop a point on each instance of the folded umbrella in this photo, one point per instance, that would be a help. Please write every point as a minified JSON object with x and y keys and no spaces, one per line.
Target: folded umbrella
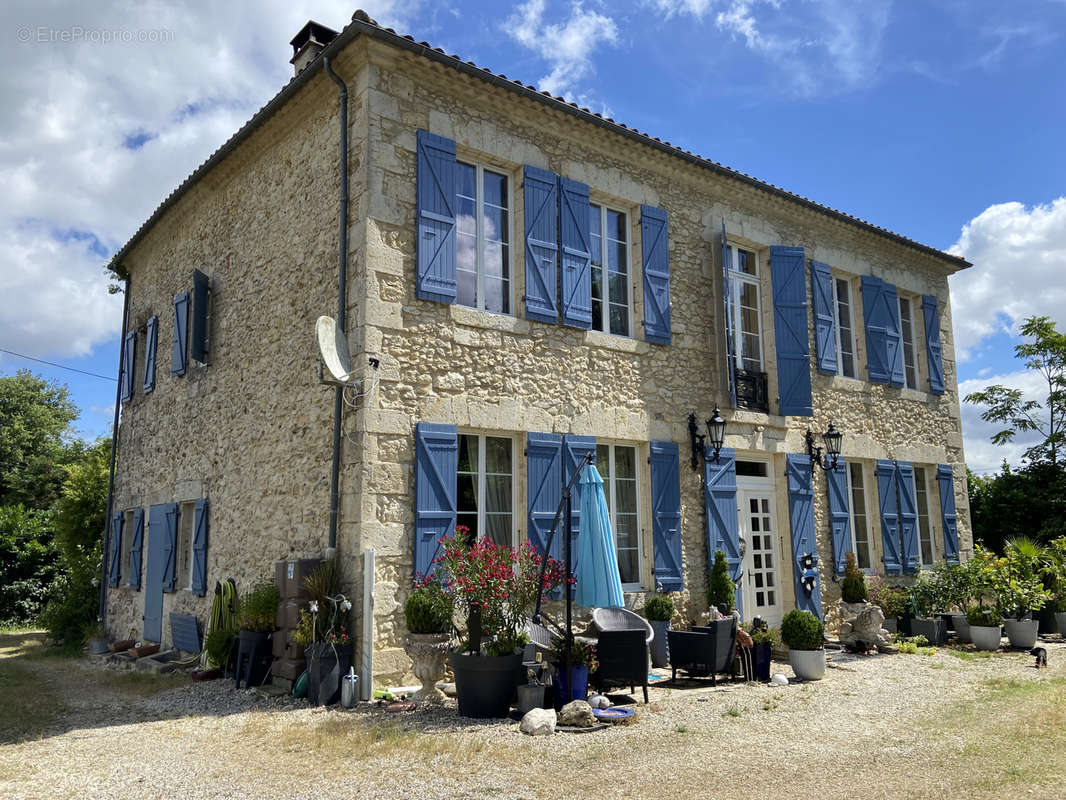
{"x":598,"y":582}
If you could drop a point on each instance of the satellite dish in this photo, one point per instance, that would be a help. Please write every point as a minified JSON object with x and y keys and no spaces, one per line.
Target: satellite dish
{"x":333,"y":347}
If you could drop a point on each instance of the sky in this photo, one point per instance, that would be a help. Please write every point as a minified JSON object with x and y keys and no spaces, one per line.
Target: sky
{"x":942,"y":120}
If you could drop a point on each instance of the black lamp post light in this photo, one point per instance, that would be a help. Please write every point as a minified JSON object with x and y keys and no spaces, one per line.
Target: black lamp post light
{"x":832,"y":439}
{"x":716,"y":433}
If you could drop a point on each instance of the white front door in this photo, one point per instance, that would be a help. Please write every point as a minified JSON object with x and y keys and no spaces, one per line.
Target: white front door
{"x":758,"y":527}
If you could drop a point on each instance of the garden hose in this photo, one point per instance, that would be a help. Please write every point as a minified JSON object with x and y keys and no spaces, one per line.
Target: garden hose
{"x":223,"y":616}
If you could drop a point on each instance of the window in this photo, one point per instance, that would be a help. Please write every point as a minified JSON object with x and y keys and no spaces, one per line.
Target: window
{"x":186,"y":518}
{"x":844,"y":328}
{"x":751,"y":469}
{"x":860,"y":528}
{"x":485,"y":491}
{"x":910,"y":362}
{"x":925,"y":531}
{"x":608,"y":241}
{"x":127,"y":542}
{"x":745,"y":309}
{"x":483,"y":229}
{"x":617,"y":466}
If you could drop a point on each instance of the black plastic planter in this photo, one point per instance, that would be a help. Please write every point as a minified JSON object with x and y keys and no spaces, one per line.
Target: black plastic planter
{"x":485,"y":685}
{"x":326,"y":665}
{"x":761,"y":656}
{"x":934,"y":629}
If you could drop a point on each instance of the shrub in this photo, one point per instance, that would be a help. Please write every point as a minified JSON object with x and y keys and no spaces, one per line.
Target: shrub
{"x":761,"y":633}
{"x":801,"y":630}
{"x":29,"y":563}
{"x":259,"y":607}
{"x":853,"y":587}
{"x":659,"y":608}
{"x":721,"y":593}
{"x":428,"y":608}
{"x":984,"y":617}
{"x":72,"y":601}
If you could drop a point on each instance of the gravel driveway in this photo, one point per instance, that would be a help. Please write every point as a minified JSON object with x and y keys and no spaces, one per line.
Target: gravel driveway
{"x":880,"y":727}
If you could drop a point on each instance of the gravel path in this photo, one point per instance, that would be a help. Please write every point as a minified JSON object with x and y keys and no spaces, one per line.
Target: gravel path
{"x":871,"y":723}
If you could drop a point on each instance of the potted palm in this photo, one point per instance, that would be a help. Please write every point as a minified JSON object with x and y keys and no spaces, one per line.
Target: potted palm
{"x":428,"y":614}
{"x":659,"y":609}
{"x":805,"y":636}
{"x":496,"y":589}
{"x":1020,"y":591}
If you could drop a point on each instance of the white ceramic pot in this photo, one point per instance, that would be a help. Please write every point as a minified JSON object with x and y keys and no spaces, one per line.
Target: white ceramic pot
{"x":962,"y":627}
{"x":809,"y":665}
{"x":1022,"y":632}
{"x":427,"y":652}
{"x":985,"y":638}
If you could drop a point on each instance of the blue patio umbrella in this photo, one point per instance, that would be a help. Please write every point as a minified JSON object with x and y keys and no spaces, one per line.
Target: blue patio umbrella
{"x":598,"y":583}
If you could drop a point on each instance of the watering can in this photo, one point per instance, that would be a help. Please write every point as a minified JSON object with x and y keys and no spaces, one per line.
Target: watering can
{"x":349,"y":688}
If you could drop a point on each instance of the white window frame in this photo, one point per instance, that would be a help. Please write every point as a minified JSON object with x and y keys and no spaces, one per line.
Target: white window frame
{"x":902,"y":344}
{"x":925,"y":529}
{"x":481,"y":482}
{"x":186,"y":510}
{"x":736,"y":280}
{"x":612,"y":505}
{"x":479,"y":225}
{"x":866,"y":516}
{"x":851,"y":326}
{"x":605,"y":301}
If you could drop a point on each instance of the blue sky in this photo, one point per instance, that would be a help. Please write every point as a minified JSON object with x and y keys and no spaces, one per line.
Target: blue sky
{"x":941,"y":120}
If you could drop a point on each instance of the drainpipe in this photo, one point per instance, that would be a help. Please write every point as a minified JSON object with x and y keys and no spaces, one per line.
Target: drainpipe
{"x":342,"y":301}
{"x":114,"y":450}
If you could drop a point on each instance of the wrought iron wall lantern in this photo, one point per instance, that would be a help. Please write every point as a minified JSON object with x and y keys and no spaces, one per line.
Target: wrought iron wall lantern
{"x":715,"y":432}
{"x":832,"y":439}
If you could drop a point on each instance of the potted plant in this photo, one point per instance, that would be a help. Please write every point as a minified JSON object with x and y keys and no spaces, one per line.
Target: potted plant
{"x":428,"y":614}
{"x":582,"y":660}
{"x":892,"y":600}
{"x":323,"y":632}
{"x":985,"y":627}
{"x":1054,"y":575}
{"x":764,"y":640}
{"x":805,"y":636}
{"x":255,"y":623}
{"x":721,"y":591}
{"x":1019,"y":591}
{"x":659,"y":609}
{"x":496,"y":589}
{"x":853,"y":587}
{"x":926,"y":598}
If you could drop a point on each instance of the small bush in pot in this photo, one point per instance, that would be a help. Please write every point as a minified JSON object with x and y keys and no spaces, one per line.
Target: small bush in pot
{"x":721,"y":592}
{"x":804,"y":634}
{"x":985,"y":630}
{"x":892,"y":600}
{"x":764,"y":639}
{"x":258,"y":608}
{"x":659,"y":608}
{"x":853,"y":587}
{"x":428,"y":608}
{"x":927,"y":598}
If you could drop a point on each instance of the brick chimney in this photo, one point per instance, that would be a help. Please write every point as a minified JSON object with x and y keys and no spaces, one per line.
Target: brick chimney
{"x":308,"y":43}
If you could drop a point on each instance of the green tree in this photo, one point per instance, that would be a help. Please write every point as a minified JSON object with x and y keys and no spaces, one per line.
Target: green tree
{"x":35,"y":414}
{"x":1045,"y":354}
{"x":29,"y":562}
{"x":1030,"y":501}
{"x":81,"y":511}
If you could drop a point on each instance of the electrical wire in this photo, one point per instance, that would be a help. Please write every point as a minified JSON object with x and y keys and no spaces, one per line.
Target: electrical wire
{"x":60,"y":366}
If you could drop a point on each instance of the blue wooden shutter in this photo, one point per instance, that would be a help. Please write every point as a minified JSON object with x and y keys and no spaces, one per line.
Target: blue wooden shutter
{"x":576,"y":255}
{"x":908,"y":516}
{"x":201,"y":290}
{"x":436,"y":469}
{"x":200,"y":524}
{"x":893,"y":334}
{"x":654,"y":237}
{"x":730,"y":345}
{"x":873,"y":311}
{"x":839,"y":514}
{"x":437,"y":181}
{"x":787,"y":274}
{"x":544,"y":487}
{"x":574,"y":449}
{"x":178,"y":356}
{"x":801,"y":516}
{"x":125,"y":373}
{"x":541,"y":203}
{"x":889,"y":512}
{"x":666,"y":515}
{"x":136,"y":549}
{"x":115,"y":567}
{"x":946,"y":483}
{"x":932,"y":344}
{"x":825,"y":334}
{"x":151,"y":340}
{"x":170,"y":548}
{"x":720,"y":516}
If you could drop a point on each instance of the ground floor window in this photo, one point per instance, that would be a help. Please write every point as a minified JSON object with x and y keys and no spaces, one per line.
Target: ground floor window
{"x":617,"y":465}
{"x":860,"y":526}
{"x":127,"y":541}
{"x":485,"y":487}
{"x":186,"y":520}
{"x":925,"y":529}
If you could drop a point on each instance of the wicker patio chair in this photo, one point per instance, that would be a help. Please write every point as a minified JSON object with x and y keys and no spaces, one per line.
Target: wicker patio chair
{"x":623,"y":660}
{"x":703,"y":651}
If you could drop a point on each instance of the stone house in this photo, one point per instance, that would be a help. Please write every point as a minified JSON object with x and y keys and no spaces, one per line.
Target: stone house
{"x":525,"y":281}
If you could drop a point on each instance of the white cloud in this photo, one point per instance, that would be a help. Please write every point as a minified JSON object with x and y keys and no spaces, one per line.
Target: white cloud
{"x":671,"y":8}
{"x":567,"y":46}
{"x":98,"y":132}
{"x":1019,"y":270}
{"x":981,"y":455}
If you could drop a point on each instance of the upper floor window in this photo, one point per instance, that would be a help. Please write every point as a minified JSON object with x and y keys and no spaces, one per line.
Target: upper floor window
{"x":860,"y":528}
{"x":745,"y":308}
{"x":617,"y":465}
{"x":483,"y":238}
{"x":925,"y":532}
{"x":485,"y":490}
{"x":609,"y":243}
{"x":845,"y":329}
{"x":910,"y":358}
